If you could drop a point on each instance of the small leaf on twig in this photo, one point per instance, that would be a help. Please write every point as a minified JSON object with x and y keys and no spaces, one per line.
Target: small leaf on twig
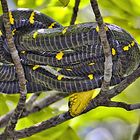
{"x":65,"y":2}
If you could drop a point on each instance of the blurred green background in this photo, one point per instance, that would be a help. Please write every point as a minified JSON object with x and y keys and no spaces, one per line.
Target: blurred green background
{"x":101,"y":123}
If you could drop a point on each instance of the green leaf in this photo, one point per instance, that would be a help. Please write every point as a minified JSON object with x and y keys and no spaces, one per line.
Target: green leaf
{"x":65,"y":2}
{"x":3,"y":105}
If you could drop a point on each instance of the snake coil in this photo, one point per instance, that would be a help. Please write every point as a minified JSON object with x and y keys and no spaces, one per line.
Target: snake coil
{"x":67,"y":59}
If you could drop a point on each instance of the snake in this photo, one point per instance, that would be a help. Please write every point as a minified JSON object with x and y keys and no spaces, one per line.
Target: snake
{"x":63,"y":58}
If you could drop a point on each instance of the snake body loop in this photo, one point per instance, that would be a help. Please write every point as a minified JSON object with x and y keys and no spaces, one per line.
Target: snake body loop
{"x":67,"y":59}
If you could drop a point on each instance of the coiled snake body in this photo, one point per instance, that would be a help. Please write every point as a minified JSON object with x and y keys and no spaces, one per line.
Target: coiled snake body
{"x":67,"y":59}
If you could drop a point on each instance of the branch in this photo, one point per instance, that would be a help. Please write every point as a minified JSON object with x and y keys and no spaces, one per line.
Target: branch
{"x":124,"y":84}
{"x":22,"y":81}
{"x":39,"y":105}
{"x":36,"y":106}
{"x":43,"y":125}
{"x":75,"y":11}
{"x":31,"y":100}
{"x":54,"y":121}
{"x":126,"y":106}
{"x":104,"y":43}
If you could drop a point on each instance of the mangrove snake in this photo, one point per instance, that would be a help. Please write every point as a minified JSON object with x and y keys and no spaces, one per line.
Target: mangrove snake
{"x":67,"y":59}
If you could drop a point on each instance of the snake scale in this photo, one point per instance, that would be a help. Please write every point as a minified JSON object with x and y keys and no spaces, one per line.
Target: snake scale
{"x":67,"y":59}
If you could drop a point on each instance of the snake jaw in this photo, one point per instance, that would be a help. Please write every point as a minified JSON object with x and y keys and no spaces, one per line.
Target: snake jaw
{"x":79,"y":101}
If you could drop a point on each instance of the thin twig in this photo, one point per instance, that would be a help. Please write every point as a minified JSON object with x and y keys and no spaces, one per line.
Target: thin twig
{"x":54,"y":121}
{"x":104,"y":43}
{"x":28,"y":106}
{"x":36,"y":106}
{"x":20,"y":73}
{"x":75,"y":11}
{"x":124,"y":84}
{"x":31,"y":100}
{"x":126,"y":106}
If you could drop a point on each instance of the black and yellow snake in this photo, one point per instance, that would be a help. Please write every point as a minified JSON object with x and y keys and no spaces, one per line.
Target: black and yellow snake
{"x":67,"y":59}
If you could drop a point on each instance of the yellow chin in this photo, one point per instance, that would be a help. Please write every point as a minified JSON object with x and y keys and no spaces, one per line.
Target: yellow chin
{"x":79,"y":101}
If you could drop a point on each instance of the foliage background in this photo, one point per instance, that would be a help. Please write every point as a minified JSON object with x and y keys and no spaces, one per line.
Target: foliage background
{"x":101,"y":123}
